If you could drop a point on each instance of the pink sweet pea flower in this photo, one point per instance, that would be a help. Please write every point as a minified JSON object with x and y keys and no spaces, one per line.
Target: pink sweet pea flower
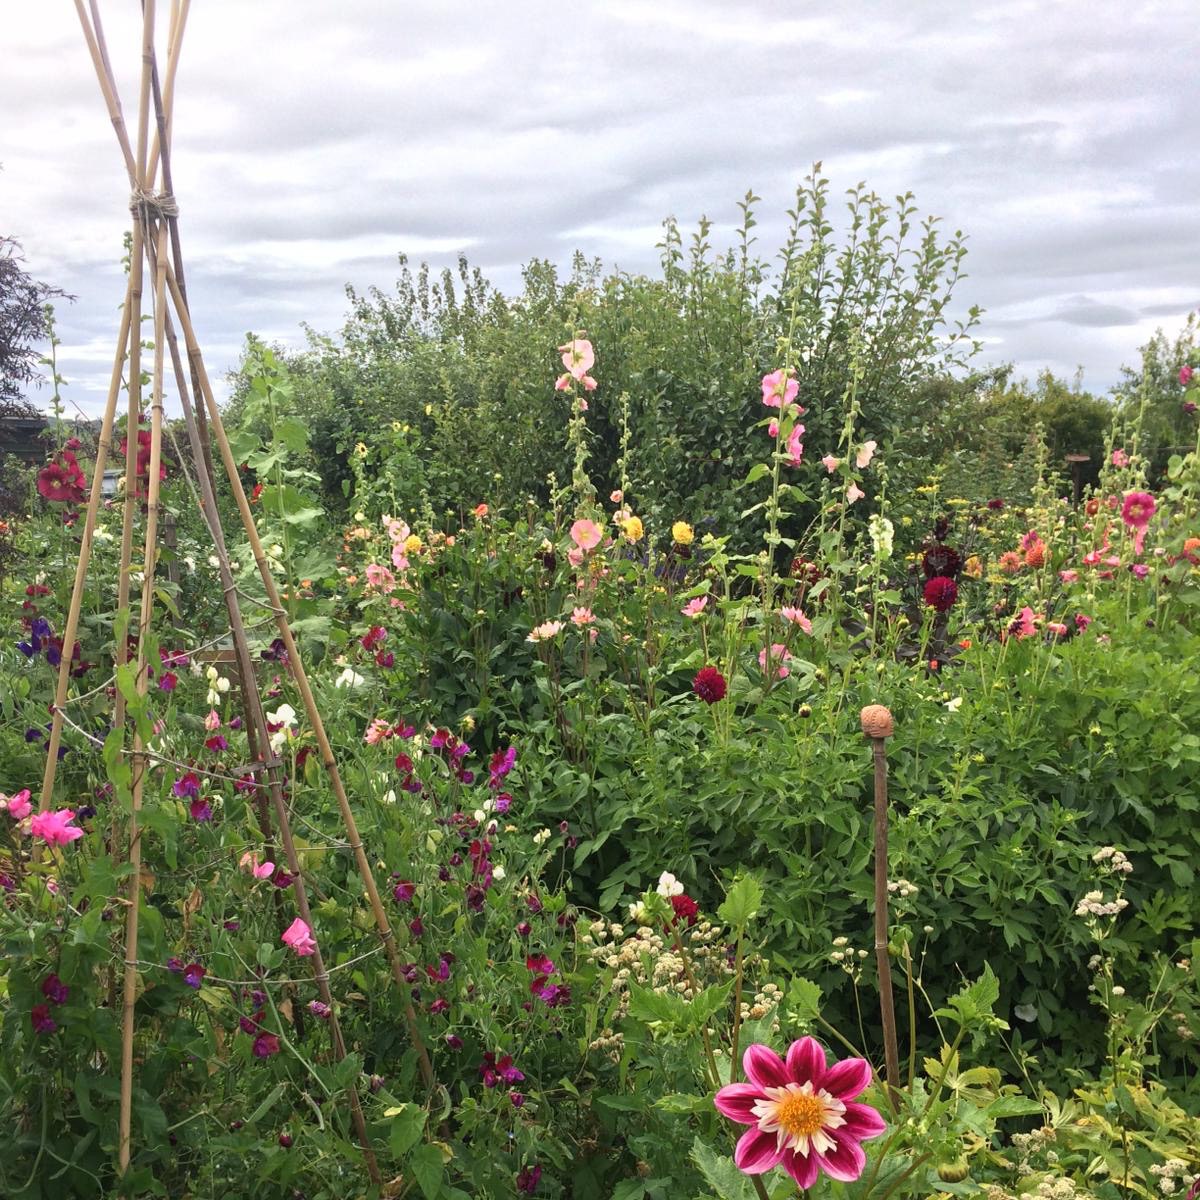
{"x":586,"y":534}
{"x":695,"y":608}
{"x":779,"y":389}
{"x":866,"y":452}
{"x":18,"y":806}
{"x":299,"y":936}
{"x":265,"y":870}
{"x":55,"y":828}
{"x":212,"y":721}
{"x":578,"y":357}
{"x":801,"y":1112}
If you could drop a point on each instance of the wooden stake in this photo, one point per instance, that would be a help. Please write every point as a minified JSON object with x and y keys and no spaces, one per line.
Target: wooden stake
{"x":877,"y":726}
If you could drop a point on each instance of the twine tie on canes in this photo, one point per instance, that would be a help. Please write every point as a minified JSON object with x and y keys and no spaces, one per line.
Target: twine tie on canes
{"x":148,"y":206}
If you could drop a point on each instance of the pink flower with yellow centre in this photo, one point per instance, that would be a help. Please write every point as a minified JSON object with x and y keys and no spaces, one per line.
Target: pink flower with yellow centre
{"x":779,"y":389}
{"x":586,"y":534}
{"x":801,"y":1112}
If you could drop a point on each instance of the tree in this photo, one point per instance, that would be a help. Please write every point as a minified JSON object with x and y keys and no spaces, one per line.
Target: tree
{"x":24,"y":322}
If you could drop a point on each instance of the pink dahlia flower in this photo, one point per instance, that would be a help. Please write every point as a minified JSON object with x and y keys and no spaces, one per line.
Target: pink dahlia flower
{"x":801,"y":1113}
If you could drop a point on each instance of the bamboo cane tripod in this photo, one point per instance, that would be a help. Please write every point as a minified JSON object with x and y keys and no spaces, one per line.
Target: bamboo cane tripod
{"x":156,"y":253}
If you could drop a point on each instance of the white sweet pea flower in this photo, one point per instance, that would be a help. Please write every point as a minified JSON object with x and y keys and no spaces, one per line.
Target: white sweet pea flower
{"x":541,"y":837}
{"x":668,"y":885}
{"x":497,"y":871}
{"x":955,"y":704}
{"x":349,"y":678}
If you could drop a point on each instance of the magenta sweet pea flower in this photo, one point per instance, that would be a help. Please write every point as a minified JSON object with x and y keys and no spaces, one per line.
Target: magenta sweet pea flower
{"x":55,"y":827}
{"x":298,"y":935}
{"x":802,"y":1113}
{"x":18,"y":806}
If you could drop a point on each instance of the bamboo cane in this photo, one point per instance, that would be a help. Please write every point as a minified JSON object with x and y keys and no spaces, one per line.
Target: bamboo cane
{"x":104,"y":74}
{"x":877,"y":726}
{"x":71,"y":629}
{"x":140,"y":762}
{"x":301,"y":678}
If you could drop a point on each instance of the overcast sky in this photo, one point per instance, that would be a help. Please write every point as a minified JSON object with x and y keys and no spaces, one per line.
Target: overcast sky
{"x":315,"y":141}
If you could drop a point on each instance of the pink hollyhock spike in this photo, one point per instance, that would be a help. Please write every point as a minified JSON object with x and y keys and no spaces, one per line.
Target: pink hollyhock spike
{"x":802,"y":1113}
{"x":586,"y":534}
{"x":1120,"y":458}
{"x":55,"y":828}
{"x":795,"y":448}
{"x":18,"y":806}
{"x":779,"y":389}
{"x":298,"y":935}
{"x":578,"y":357}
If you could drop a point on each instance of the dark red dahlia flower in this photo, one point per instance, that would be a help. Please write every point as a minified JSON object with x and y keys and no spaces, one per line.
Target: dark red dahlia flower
{"x":685,"y":908}
{"x":709,"y":685}
{"x":940,"y":560}
{"x":941,"y":593}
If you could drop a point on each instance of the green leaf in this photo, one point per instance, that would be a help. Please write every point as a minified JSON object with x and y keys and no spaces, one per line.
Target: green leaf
{"x":804,"y":999}
{"x":742,"y":902}
{"x":266,"y":1106}
{"x":408,"y":1123}
{"x":650,"y":1006}
{"x":756,"y":472}
{"x":726,"y":1181}
{"x":292,"y":433}
{"x":425,"y":1162}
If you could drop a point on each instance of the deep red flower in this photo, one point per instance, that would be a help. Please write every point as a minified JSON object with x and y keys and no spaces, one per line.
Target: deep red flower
{"x":709,"y":685}
{"x":685,"y":908}
{"x":941,"y":561}
{"x":941,"y":593}
{"x":41,"y":1019}
{"x":63,"y":479}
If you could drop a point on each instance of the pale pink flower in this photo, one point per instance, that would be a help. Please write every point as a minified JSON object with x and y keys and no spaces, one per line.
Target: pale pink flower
{"x":575,"y":556}
{"x":772,"y":428}
{"x":264,"y":870}
{"x":1120,"y":458}
{"x":1024,"y":624}
{"x":1140,"y":570}
{"x":586,"y":534}
{"x":583,"y":405}
{"x":578,"y":357}
{"x":779,"y":654}
{"x":397,"y":530}
{"x":582,"y":616}
{"x":779,"y":388}
{"x":545,"y":631}
{"x":589,"y":385}
{"x":795,"y":447}
{"x":299,"y":936}
{"x":376,"y":731}
{"x":796,"y":617}
{"x":399,"y":557}
{"x":695,"y":608}
{"x":1057,"y":628}
{"x":802,"y":1113}
{"x":617,"y":496}
{"x":1185,"y":375}
{"x":563,"y":382}
{"x":866,"y":452}
{"x":830,"y":463}
{"x":853,"y":493}
{"x":379,"y":577}
{"x":18,"y":806}
{"x":1068,"y":576}
{"x":55,"y":828}
{"x":212,"y":721}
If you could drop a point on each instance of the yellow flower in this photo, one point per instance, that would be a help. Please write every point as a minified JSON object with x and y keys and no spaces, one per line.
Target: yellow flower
{"x":361,"y":449}
{"x":632,"y":528}
{"x":682,"y":533}
{"x":906,"y":521}
{"x":974,"y":567}
{"x":927,"y":489}
{"x":412,"y":544}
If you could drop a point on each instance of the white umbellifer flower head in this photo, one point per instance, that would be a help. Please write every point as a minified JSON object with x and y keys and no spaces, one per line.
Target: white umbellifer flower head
{"x":349,"y":678}
{"x":668,"y":885}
